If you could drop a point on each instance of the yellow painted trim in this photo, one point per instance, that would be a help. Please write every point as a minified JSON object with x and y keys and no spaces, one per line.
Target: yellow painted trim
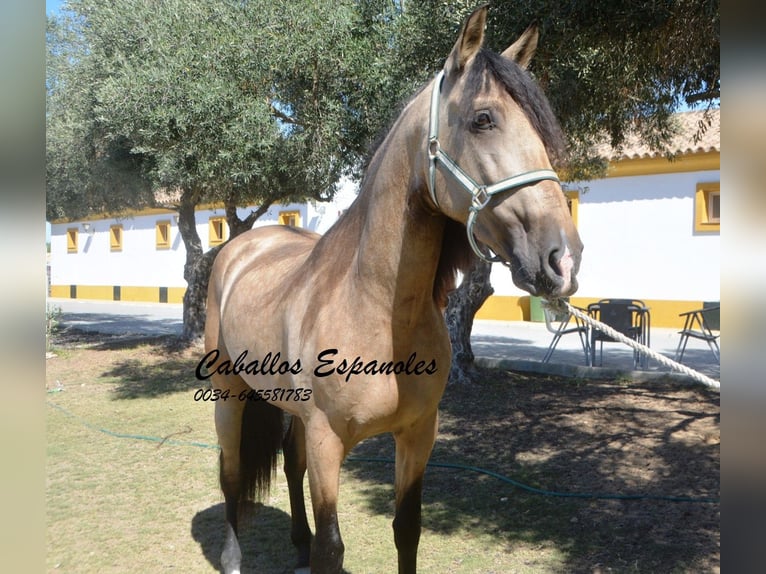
{"x":131,"y":293}
{"x":137,"y":213}
{"x":176,"y":294}
{"x":284,"y":217}
{"x":659,"y":165}
{"x":505,"y":308}
{"x":95,"y":292}
{"x":117,"y":216}
{"x":162,"y":234}
{"x":210,"y":206}
{"x":60,"y":291}
{"x":217,"y":236}
{"x":115,"y":237}
{"x":72,"y":234}
{"x":573,"y":198}
{"x":663,"y":313}
{"x":701,"y":196}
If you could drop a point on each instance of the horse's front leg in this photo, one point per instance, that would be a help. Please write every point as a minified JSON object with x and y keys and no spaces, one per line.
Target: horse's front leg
{"x":324,"y":453}
{"x":413,"y":448}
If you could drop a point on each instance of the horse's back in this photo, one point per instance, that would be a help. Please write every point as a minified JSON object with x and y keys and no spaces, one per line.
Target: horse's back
{"x":256,"y":262}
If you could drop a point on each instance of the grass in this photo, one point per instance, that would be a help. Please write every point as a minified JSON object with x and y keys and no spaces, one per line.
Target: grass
{"x":121,"y":504}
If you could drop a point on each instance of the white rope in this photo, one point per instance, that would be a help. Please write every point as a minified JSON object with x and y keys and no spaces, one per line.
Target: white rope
{"x":697,"y":376}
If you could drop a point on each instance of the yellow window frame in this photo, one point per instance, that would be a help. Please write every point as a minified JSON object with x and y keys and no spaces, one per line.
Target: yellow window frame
{"x":71,"y":239}
{"x":573,"y":202}
{"x":707,"y":193}
{"x":162,"y":234}
{"x":290,"y":218}
{"x":115,"y":237}
{"x":217,"y":230}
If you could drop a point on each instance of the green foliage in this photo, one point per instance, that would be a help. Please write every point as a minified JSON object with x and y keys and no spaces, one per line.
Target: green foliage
{"x":256,"y":101}
{"x":264,"y":101}
{"x":607,"y":67}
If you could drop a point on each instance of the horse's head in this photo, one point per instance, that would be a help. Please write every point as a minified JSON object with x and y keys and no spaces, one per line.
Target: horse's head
{"x":492,"y":136}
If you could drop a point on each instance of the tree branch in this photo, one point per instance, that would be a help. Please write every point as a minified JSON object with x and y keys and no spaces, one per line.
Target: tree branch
{"x":282,"y":116}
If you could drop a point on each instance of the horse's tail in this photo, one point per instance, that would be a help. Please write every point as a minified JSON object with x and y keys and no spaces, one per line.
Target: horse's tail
{"x":259,"y":448}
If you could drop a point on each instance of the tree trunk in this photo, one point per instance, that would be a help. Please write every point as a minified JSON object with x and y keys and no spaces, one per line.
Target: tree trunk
{"x":198,"y":263}
{"x":462,"y":305}
{"x":194,"y":267}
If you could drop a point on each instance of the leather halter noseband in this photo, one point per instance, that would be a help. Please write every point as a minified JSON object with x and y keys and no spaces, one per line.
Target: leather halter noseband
{"x":480,"y":194}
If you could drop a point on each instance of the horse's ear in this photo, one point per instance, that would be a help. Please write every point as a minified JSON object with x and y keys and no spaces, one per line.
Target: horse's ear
{"x":469,"y":41}
{"x":522,"y":50}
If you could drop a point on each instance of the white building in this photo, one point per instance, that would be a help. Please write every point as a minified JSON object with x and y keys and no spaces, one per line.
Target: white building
{"x":141,"y":257}
{"x":651,"y":232}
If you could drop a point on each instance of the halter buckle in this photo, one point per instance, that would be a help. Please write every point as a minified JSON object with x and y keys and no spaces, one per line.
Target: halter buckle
{"x":479,"y":198}
{"x":433,"y":148}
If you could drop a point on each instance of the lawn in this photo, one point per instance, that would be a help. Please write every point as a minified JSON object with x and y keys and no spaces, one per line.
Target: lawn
{"x":627,"y":473}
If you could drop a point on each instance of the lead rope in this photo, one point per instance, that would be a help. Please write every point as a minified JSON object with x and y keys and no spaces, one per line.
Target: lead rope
{"x":559,"y":304}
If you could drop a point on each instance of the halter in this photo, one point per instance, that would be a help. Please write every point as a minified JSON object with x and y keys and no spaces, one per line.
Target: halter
{"x":480,"y":194}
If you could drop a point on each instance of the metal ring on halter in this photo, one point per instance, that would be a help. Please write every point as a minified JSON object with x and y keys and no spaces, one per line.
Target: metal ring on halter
{"x":480,"y":194}
{"x":480,"y":198}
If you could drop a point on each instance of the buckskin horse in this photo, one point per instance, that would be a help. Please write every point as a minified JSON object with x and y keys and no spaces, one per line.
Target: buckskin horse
{"x":345,"y":332}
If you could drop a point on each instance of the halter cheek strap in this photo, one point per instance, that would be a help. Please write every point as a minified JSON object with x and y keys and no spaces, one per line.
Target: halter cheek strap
{"x":480,"y":194}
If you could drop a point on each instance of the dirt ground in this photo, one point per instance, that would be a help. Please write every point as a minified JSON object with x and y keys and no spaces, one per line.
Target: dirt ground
{"x":622,"y":476}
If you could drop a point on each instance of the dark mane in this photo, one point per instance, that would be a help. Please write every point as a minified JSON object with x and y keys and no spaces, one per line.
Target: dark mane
{"x":456,"y":255}
{"x":525,"y":92}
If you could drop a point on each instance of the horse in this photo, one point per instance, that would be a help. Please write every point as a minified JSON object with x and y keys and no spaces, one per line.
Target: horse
{"x":345,"y":332}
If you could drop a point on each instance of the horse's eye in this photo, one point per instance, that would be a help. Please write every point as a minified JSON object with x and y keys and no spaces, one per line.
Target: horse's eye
{"x":483,"y":120}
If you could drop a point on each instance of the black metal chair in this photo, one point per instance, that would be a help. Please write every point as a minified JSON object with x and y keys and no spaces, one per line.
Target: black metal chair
{"x":703,"y":324}
{"x":563,"y":319}
{"x":627,"y":316}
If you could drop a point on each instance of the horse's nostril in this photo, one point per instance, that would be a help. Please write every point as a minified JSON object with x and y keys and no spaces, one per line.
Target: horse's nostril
{"x":553,"y":261}
{"x":561,"y":265}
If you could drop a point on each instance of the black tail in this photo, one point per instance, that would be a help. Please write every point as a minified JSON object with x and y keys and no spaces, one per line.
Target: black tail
{"x":259,"y":446}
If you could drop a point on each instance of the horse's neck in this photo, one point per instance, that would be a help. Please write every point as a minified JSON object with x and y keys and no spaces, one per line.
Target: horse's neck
{"x":400,"y":240}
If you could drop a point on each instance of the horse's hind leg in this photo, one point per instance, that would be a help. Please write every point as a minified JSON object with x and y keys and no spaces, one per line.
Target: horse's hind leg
{"x":250,"y":435}
{"x":413,"y":448}
{"x":294,"y":448}
{"x":228,"y":423}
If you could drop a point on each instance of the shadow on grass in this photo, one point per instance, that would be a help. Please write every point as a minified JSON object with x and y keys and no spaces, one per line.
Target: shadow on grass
{"x":137,"y":379}
{"x":594,"y":438}
{"x":164,"y":368}
{"x":264,"y":538}
{"x":105,"y":341}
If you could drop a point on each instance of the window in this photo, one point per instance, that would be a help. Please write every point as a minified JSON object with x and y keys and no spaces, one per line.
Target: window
{"x":291,"y":218}
{"x":217,"y":228}
{"x":71,"y":240}
{"x":115,"y":238}
{"x":573,"y":203}
{"x":162,"y":234}
{"x":707,"y":207}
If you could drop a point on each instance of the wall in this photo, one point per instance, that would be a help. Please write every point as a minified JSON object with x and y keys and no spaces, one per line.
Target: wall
{"x":141,"y":270}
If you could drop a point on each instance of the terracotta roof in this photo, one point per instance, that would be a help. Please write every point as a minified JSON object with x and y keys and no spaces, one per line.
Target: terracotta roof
{"x":688,"y":124}
{"x":165,"y":196}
